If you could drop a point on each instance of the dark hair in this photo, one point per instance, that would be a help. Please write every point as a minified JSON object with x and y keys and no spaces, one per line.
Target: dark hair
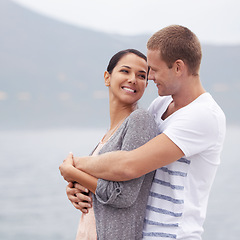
{"x":177,"y":42}
{"x":116,"y":58}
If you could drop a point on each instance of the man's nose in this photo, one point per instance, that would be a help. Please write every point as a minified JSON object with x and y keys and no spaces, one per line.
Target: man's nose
{"x":151,"y":75}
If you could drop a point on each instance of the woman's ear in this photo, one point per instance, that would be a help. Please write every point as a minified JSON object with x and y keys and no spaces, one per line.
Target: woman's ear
{"x":107,"y":78}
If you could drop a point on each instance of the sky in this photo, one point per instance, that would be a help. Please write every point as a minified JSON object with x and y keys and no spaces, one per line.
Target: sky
{"x":213,"y":21}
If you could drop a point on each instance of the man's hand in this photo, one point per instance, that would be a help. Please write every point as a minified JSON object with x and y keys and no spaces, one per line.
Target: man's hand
{"x":66,"y":167}
{"x":77,"y":196}
{"x":79,"y":161}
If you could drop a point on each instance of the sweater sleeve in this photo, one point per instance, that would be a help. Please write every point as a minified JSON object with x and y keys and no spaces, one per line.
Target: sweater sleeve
{"x":140,"y":128}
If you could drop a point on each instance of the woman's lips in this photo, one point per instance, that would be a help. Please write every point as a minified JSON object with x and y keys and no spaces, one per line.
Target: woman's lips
{"x":128,"y":89}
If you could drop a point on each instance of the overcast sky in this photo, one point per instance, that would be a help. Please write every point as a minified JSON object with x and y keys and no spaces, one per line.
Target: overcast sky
{"x":214,"y":21}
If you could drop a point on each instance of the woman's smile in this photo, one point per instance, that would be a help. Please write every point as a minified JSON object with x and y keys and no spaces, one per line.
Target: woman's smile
{"x":129,"y":89}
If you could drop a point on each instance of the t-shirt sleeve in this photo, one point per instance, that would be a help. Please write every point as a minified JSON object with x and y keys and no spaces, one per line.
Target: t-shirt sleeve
{"x":195,"y":132}
{"x":140,"y":129}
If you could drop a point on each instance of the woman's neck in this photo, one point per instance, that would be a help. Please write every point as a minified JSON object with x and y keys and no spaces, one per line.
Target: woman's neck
{"x":119,"y":112}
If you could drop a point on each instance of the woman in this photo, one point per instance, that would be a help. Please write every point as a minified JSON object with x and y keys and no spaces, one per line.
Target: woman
{"x":119,"y":207}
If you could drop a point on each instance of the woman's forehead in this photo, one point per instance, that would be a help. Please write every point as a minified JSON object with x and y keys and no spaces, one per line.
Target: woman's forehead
{"x":132,"y":60}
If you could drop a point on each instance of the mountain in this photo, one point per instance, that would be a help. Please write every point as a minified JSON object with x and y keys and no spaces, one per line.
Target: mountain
{"x":51,"y":73}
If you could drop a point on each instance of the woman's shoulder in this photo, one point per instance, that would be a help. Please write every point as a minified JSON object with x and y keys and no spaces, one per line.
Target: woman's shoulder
{"x":140,"y":113}
{"x":141,"y":125}
{"x":141,"y":117}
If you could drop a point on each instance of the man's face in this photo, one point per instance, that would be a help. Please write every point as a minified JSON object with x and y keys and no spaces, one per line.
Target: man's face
{"x":161,"y":74}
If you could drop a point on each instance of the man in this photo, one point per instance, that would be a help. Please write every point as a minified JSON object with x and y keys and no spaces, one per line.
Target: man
{"x":186,"y":153}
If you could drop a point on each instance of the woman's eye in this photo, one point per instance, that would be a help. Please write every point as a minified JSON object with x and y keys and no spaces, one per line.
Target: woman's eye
{"x":124,"y":70}
{"x":142,"y":77}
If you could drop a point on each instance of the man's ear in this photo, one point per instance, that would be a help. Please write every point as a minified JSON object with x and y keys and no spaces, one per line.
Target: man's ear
{"x":107,"y":78}
{"x":179,"y":66}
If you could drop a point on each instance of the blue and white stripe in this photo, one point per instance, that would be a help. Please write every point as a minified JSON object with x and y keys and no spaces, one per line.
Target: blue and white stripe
{"x":166,"y":201}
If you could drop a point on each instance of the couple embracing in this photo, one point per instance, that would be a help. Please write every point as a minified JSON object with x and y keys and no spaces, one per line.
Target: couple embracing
{"x":150,"y":176}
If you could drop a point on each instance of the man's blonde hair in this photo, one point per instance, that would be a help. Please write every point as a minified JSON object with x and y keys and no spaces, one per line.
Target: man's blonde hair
{"x":177,"y":42}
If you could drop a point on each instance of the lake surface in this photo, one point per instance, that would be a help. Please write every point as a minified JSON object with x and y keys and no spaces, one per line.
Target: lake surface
{"x":33,"y":203}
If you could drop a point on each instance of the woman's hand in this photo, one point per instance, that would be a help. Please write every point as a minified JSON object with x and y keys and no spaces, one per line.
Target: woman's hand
{"x":77,"y":196}
{"x":67,"y":167}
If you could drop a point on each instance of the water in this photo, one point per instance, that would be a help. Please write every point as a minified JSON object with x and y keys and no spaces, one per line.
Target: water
{"x":222,"y":222}
{"x":33,"y":203}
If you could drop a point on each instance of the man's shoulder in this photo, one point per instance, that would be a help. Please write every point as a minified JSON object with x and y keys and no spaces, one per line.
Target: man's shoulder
{"x":203,"y":115}
{"x":204,"y":107}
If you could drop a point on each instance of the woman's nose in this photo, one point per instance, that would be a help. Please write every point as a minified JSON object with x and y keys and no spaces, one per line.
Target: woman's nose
{"x":132,"y":79}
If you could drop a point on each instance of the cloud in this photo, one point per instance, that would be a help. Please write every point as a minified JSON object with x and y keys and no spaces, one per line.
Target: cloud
{"x":215,"y":21}
{"x":3,"y":96}
{"x":220,"y":87}
{"x":100,"y":94}
{"x":64,"y":96}
{"x":24,"y":96}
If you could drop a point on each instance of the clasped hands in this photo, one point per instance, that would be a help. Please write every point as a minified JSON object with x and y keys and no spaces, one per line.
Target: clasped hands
{"x":76,"y":193}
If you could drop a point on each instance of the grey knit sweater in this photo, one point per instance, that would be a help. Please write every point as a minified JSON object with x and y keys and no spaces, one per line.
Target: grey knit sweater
{"x":119,"y":207}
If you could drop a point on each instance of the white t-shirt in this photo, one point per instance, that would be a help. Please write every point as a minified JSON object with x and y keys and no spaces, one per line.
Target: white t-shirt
{"x":179,"y":194}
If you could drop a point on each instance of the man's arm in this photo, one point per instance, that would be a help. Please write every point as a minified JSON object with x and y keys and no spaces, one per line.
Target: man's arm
{"x":71,"y":174}
{"x":126,"y":165}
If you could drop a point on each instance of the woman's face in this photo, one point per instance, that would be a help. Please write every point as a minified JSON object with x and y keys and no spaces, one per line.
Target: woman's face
{"x":128,"y":79}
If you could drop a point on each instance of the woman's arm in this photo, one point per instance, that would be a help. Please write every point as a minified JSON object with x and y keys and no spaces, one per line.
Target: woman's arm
{"x":71,"y":174}
{"x":139,"y":129}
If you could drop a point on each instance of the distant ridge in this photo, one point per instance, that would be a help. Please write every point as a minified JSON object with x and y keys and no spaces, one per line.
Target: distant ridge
{"x":51,"y":73}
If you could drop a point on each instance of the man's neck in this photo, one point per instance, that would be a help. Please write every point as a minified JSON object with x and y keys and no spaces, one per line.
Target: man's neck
{"x":183,"y":98}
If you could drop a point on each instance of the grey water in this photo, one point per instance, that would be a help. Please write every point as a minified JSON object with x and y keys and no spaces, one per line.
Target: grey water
{"x":33,"y":203}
